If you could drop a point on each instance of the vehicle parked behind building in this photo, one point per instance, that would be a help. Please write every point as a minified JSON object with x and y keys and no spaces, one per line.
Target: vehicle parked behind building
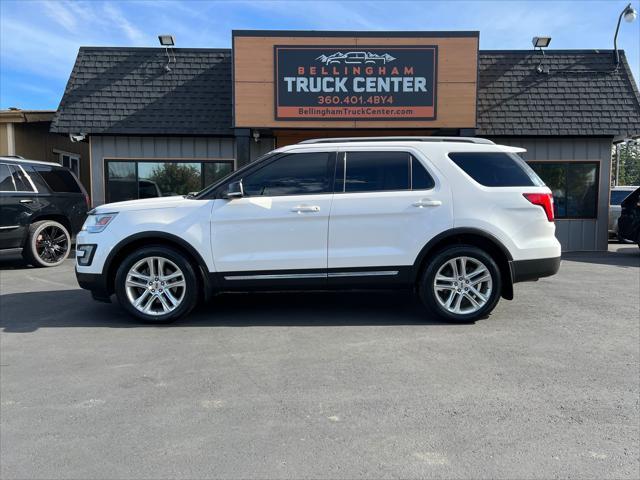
{"x":618,"y":194}
{"x":459,"y":220}
{"x":629,"y":220}
{"x":42,"y":206}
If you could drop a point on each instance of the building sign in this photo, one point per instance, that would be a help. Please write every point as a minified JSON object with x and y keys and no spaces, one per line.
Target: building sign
{"x":355,"y":83}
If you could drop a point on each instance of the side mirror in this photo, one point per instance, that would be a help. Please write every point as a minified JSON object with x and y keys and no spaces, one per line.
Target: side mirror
{"x":234,"y":190}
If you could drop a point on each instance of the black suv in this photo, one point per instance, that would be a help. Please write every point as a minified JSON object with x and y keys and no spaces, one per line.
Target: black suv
{"x":629,"y":220}
{"x":42,"y":205}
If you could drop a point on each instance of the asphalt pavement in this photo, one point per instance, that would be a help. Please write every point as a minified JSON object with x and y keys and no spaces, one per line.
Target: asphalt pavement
{"x":324,"y":385}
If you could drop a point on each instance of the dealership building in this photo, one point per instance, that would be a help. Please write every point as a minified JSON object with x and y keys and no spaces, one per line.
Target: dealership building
{"x":163,"y":121}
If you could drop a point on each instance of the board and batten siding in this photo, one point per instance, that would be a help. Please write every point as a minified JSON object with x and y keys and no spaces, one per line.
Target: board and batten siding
{"x":575,"y":234}
{"x":143,"y":148}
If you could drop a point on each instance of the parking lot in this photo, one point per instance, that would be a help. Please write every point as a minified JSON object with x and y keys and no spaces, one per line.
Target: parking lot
{"x":325,"y":385}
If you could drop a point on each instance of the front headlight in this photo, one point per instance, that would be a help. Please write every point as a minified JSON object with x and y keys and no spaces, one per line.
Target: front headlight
{"x":97,"y":222}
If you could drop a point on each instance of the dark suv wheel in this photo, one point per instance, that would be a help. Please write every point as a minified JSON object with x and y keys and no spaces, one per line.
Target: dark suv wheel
{"x":156,"y":284}
{"x":460,"y":284}
{"x":48,"y":244}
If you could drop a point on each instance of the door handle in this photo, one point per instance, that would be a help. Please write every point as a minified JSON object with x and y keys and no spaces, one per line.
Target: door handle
{"x":305,"y":208}
{"x":26,"y":200}
{"x":425,"y":202}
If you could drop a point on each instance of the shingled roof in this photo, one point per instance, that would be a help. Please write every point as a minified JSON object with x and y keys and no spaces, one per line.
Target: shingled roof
{"x":128,"y":91}
{"x":583,"y":94}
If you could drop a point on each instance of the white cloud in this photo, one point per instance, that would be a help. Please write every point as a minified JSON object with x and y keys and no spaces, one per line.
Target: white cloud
{"x":118,"y":20}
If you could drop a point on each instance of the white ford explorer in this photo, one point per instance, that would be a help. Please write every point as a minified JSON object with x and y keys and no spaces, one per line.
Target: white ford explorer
{"x":458,"y":220}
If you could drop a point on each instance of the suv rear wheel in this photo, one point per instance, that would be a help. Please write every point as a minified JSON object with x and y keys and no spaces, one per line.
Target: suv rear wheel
{"x":156,"y":284}
{"x":460,"y":284}
{"x":48,"y":244}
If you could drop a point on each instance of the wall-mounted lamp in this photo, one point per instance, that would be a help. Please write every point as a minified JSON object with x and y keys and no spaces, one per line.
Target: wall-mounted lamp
{"x":540,"y":43}
{"x":256,"y":136}
{"x":168,"y":41}
{"x":629,"y":14}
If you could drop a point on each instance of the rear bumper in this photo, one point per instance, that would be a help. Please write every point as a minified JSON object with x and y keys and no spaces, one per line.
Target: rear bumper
{"x":531,"y":270}
{"x":96,"y":284}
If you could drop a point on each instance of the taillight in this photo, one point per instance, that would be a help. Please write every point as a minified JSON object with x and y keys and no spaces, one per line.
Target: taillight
{"x":87,"y":201}
{"x":545,"y":200}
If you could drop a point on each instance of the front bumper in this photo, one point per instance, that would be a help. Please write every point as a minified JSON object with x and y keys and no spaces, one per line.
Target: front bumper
{"x":531,"y":270}
{"x":96,"y":284}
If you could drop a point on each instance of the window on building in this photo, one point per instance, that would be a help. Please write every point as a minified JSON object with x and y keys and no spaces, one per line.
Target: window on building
{"x":496,"y":169}
{"x":574,"y":186}
{"x":70,"y":161}
{"x":295,"y":174}
{"x":130,"y":180}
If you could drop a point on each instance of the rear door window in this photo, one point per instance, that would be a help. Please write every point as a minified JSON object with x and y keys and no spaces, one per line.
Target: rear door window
{"x":381,"y":172}
{"x":20,"y":180}
{"x":59,"y":180}
{"x":496,"y":169}
{"x":6,"y":179}
{"x":376,"y":171}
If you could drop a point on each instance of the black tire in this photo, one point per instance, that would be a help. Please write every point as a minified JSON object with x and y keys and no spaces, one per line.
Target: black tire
{"x":426,"y":289}
{"x":191,"y":287}
{"x":48,"y":244}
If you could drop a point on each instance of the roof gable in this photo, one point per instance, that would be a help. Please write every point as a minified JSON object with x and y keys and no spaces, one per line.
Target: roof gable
{"x":583,"y":94}
{"x":128,"y":90}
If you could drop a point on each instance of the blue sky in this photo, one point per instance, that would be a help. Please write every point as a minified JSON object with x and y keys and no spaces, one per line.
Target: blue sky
{"x":39,"y":40}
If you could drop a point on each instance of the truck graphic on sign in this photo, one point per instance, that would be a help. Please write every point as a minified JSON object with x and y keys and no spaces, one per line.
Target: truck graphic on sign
{"x":366,"y":58}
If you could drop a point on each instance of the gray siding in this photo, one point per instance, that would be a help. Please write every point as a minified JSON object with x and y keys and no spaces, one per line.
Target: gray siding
{"x":113,"y":147}
{"x":575,"y":234}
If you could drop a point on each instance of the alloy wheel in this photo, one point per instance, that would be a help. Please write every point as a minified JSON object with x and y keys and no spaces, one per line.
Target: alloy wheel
{"x":155,"y":286}
{"x":52,"y":244}
{"x":462,"y":285}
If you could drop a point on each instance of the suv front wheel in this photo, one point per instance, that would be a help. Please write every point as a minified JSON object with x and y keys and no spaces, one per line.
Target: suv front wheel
{"x":156,"y":284}
{"x":460,"y":284}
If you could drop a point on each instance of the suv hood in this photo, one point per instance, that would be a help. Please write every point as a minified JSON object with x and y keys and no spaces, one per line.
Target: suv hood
{"x":142,"y":204}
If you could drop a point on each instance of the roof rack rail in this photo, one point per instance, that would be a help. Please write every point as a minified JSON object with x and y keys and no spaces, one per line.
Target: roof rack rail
{"x":483,"y":141}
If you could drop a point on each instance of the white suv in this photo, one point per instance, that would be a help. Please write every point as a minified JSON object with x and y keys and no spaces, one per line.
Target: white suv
{"x":459,"y":220}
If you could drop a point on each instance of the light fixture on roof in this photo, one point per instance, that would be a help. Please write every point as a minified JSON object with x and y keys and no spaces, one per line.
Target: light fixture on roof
{"x":167,"y":40}
{"x":540,"y":43}
{"x":629,"y":14}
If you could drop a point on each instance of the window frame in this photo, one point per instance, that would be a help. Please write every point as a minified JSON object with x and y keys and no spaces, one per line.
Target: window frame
{"x":574,"y":162}
{"x":71,"y":155}
{"x":410,"y":154}
{"x":137,"y":160}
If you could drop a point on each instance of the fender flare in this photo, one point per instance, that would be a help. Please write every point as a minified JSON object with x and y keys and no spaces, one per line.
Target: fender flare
{"x":107,"y":268}
{"x":454,"y":232}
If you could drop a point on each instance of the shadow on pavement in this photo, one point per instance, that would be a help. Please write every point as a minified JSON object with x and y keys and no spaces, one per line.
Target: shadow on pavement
{"x":27,"y":312}
{"x":622,"y":257}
